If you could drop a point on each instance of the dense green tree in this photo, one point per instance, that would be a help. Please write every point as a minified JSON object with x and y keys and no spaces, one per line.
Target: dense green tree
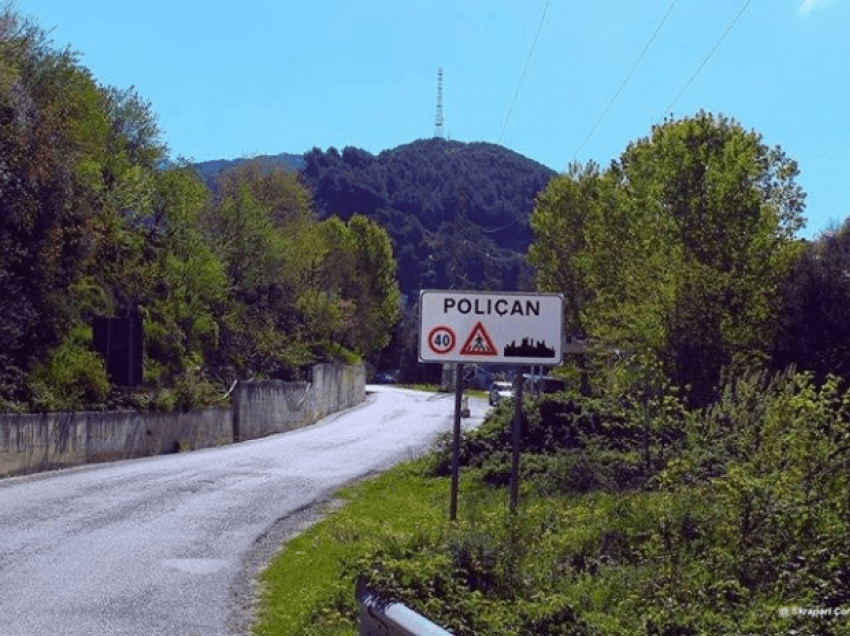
{"x":190,"y":287}
{"x":52,"y":130}
{"x":296,"y":285}
{"x":814,"y":330}
{"x":361,"y":275}
{"x":79,"y":233}
{"x":678,"y":249}
{"x":241,"y":232}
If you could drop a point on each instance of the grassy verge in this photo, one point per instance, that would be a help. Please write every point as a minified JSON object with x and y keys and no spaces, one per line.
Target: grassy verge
{"x":309,"y":586}
{"x":741,"y":518}
{"x":581,"y":565}
{"x":570,"y":552}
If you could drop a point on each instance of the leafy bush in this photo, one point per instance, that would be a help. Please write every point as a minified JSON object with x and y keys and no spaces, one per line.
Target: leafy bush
{"x":774,"y":451}
{"x":748,"y":512}
{"x":568,"y":444}
{"x":72,"y":378}
{"x":470,"y":581}
{"x":191,"y":390}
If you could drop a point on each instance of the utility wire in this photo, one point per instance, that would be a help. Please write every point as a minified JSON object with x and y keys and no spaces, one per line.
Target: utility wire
{"x":524,"y":69}
{"x":706,"y":59}
{"x":626,"y":79}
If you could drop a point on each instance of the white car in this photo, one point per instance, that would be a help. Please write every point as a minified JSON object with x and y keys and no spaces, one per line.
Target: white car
{"x":500,"y":391}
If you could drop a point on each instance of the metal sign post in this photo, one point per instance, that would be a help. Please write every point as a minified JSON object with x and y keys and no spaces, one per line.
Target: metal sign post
{"x":517,"y":436}
{"x":456,"y":441}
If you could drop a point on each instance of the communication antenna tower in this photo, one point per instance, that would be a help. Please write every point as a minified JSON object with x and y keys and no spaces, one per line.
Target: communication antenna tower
{"x":438,"y":125}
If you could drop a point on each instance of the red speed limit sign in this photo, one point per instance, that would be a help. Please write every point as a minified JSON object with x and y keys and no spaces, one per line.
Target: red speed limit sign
{"x":441,"y":340}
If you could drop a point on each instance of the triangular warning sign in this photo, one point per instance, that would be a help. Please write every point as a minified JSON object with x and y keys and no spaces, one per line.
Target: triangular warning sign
{"x":479,"y":343}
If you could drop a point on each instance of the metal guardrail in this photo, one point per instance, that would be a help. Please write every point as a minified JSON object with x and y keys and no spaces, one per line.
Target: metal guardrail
{"x":385,"y":618}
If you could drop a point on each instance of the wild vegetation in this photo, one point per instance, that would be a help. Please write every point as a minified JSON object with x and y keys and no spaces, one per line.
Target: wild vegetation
{"x":636,"y":517}
{"x":97,"y":222}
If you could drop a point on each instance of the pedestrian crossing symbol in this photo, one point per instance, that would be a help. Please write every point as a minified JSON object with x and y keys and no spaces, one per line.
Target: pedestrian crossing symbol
{"x":479,"y":343}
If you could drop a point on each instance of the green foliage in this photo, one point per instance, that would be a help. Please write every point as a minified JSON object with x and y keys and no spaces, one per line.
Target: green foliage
{"x":295,"y":286}
{"x":774,"y":451}
{"x":73,"y":378}
{"x":749,"y":512}
{"x":307,"y":589}
{"x":80,"y":234}
{"x":615,"y":442}
{"x":814,"y":329}
{"x":50,"y":109}
{"x":95,"y":223}
{"x":359,"y":272}
{"x":701,"y":213}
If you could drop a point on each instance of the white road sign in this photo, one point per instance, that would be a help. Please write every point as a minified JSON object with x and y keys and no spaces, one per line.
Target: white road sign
{"x":490,"y":327}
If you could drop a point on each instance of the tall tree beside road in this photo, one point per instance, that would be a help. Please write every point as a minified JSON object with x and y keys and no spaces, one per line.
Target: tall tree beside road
{"x":42,"y":234}
{"x":678,"y":249}
{"x":182,"y":308}
{"x":296,"y":284}
{"x":361,"y":271}
{"x":252,"y":233}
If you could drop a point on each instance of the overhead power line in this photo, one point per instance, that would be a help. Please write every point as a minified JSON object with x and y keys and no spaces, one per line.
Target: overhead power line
{"x":524,"y":69}
{"x":707,"y":58}
{"x":626,"y":79}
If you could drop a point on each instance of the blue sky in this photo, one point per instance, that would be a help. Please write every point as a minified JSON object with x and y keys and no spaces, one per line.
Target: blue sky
{"x":233,"y":79}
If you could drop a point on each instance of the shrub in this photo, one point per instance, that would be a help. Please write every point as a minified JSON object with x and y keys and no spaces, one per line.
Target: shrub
{"x":470,"y":581}
{"x":774,"y":450}
{"x":72,"y":378}
{"x":568,"y":445}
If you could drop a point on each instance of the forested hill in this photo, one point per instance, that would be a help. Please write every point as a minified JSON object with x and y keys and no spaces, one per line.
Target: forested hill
{"x":457,"y":212}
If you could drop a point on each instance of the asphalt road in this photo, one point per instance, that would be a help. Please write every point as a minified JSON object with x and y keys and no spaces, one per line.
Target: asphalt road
{"x":171,"y":545}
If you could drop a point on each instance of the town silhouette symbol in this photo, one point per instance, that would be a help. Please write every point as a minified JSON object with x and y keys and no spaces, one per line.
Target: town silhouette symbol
{"x":529,"y":349}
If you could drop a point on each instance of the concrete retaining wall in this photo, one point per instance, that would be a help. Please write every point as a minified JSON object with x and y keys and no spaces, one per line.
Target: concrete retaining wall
{"x":265,"y":408}
{"x":36,"y":442}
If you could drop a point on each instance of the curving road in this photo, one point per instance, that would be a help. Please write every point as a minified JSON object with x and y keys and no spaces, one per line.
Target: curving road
{"x":171,"y":545}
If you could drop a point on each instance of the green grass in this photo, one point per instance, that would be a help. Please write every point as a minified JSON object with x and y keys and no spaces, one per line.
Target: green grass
{"x":639,"y":562}
{"x":309,"y":575}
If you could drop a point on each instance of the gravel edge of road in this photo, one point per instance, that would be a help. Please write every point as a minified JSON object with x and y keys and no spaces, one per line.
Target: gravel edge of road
{"x":245,"y":589}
